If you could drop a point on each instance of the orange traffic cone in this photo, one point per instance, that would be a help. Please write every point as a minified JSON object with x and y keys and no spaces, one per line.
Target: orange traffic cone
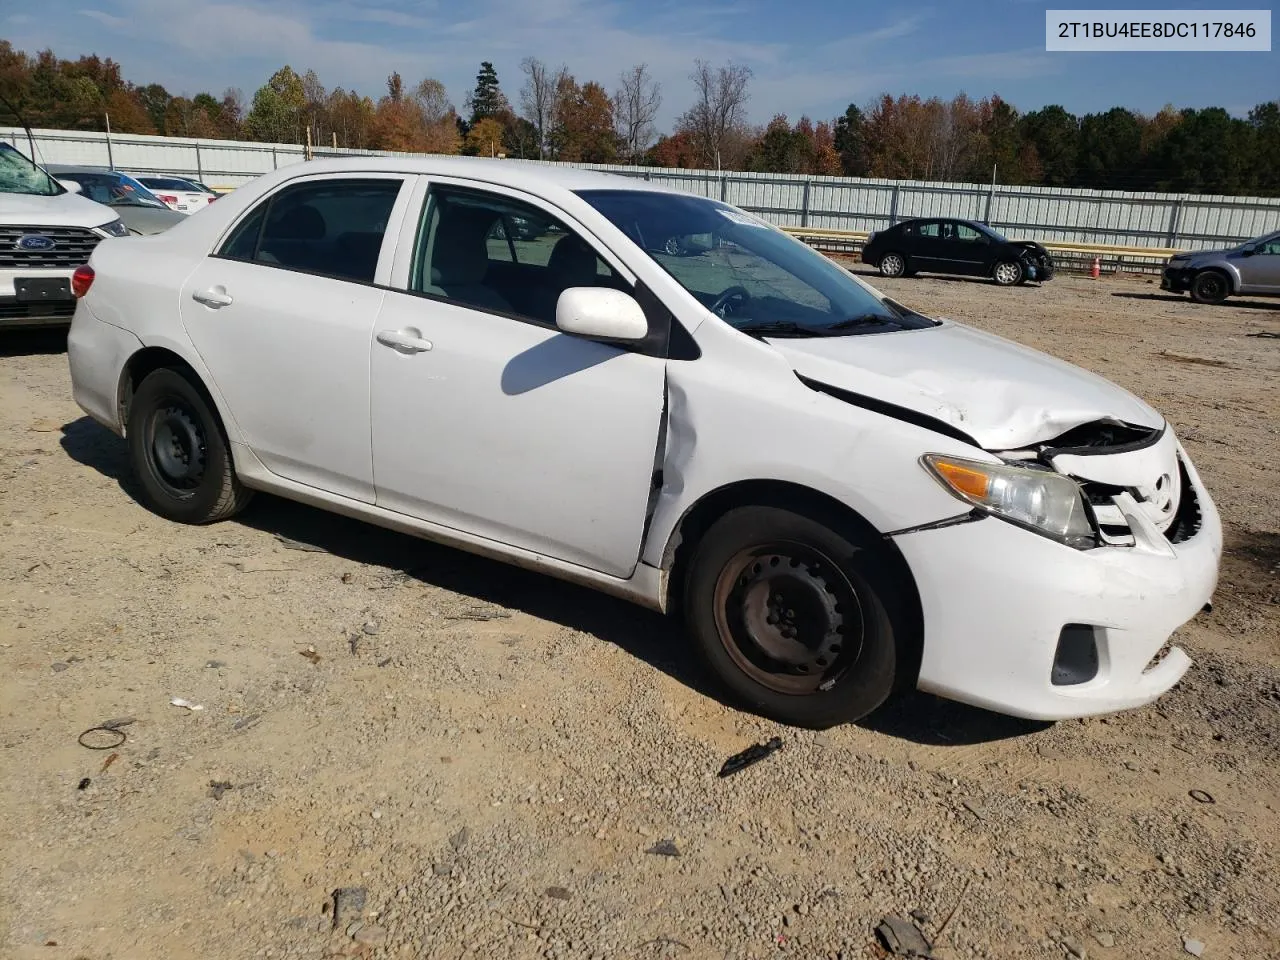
{"x":1096,"y":270}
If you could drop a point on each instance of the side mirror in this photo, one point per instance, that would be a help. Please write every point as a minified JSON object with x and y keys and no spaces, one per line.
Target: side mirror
{"x":601,"y":312}
{"x":71,"y":185}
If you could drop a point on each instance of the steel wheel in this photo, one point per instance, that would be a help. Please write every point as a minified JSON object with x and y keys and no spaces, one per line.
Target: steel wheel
{"x":893,"y":265}
{"x":179,"y":450}
{"x":788,"y":617}
{"x":1007,"y":273}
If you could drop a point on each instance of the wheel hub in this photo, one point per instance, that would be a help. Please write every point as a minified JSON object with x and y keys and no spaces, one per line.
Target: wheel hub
{"x":178,"y":448}
{"x":789,"y":617}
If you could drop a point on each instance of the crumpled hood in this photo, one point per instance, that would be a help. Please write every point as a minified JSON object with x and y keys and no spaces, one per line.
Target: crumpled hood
{"x":1000,"y":393}
{"x":64,"y":210}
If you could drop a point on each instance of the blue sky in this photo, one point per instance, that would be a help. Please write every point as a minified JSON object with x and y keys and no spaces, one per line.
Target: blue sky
{"x":807,"y":56}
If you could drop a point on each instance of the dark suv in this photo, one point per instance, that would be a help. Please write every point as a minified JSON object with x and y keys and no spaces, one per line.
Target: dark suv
{"x":963,"y":247}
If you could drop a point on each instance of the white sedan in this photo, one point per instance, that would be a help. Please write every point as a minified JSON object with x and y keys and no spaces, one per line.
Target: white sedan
{"x":839,"y":495}
{"x":176,"y":193}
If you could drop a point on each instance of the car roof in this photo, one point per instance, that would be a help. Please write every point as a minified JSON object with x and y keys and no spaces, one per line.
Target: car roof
{"x":977,"y":224}
{"x":77,"y":168}
{"x":527,"y":174}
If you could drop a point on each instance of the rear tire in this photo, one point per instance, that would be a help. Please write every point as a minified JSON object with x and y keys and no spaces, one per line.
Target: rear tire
{"x":893,"y":265}
{"x":180,"y":453}
{"x":1210,"y":286}
{"x":791,"y":616}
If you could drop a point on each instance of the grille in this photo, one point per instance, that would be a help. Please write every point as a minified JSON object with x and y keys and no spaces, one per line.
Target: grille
{"x":9,"y":310}
{"x":73,"y":246}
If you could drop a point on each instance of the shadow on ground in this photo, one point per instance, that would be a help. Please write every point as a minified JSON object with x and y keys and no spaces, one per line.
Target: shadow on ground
{"x":24,"y":342}
{"x":648,"y":636}
{"x":1175,"y":298}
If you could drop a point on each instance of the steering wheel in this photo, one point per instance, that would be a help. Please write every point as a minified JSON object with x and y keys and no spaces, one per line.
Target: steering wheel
{"x":721,"y":306}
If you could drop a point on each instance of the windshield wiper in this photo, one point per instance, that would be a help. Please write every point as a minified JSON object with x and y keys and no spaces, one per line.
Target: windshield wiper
{"x":778,"y":328}
{"x":862,"y":320}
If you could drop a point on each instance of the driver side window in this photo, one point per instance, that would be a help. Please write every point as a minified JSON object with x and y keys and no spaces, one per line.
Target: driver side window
{"x":493,"y":253}
{"x":968,"y":234}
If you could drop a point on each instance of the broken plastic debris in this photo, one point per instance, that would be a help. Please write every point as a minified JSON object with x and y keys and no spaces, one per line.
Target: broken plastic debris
{"x":753,"y":754}
{"x":179,"y":702}
{"x":903,"y":938}
{"x":84,"y":784}
{"x":665,"y":848}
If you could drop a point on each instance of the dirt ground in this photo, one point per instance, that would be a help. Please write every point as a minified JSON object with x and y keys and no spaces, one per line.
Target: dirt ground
{"x":491,"y":755}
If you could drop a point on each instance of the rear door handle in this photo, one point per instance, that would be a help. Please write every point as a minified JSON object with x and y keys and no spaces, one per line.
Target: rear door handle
{"x":214,"y":297}
{"x":403,"y":340}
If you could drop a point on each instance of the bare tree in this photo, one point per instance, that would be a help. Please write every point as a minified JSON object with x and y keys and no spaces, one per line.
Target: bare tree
{"x":635,"y":107}
{"x":433,"y":100}
{"x":717,"y":114}
{"x":539,"y":98}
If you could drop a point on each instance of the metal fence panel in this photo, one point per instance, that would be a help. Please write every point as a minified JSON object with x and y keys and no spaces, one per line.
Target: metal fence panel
{"x":1066,"y":215}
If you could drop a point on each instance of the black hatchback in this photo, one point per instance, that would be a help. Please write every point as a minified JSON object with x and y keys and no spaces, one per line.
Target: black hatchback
{"x":962,"y":247}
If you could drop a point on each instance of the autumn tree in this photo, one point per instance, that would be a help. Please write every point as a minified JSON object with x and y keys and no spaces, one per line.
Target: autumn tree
{"x":484,"y":138}
{"x":584,"y":127}
{"x":677,"y":150}
{"x":718,"y":114}
{"x":278,"y":108}
{"x":635,"y":108}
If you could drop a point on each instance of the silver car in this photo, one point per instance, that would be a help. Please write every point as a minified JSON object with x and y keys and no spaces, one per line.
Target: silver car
{"x":1251,"y":269}
{"x":140,"y":209}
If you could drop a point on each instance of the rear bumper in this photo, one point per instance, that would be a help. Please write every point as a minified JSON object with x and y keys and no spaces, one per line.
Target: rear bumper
{"x":22,"y":313}
{"x":97,"y":353}
{"x":996,"y":600}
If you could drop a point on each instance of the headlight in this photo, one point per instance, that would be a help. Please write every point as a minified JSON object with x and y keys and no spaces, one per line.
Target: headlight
{"x":1040,"y":500}
{"x":115,"y":228}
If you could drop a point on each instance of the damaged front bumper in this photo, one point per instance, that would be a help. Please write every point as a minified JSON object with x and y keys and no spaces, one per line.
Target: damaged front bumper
{"x":1176,"y":279}
{"x":1039,"y":268}
{"x":1020,"y":624}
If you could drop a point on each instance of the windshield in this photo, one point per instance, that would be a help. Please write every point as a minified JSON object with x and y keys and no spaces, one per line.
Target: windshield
{"x":751,"y":275}
{"x":113,"y":189}
{"x":20,"y":175}
{"x":995,"y":235}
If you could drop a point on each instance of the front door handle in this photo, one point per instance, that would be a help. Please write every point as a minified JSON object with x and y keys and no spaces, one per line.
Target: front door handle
{"x":404,"y":340}
{"x":214,"y":297}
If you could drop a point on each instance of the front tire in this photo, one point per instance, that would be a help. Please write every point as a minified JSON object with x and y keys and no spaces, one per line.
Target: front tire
{"x":893,"y":265}
{"x":179,"y":451}
{"x":1008,"y":273}
{"x":1210,"y":286}
{"x":791,"y":617}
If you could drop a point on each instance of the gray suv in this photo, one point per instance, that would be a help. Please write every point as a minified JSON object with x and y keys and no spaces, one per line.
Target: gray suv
{"x":1253,"y":268}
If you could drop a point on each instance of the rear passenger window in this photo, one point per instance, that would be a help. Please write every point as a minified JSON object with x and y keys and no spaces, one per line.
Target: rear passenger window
{"x":329,"y":227}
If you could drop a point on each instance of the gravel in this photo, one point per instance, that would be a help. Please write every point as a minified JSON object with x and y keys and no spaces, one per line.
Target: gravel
{"x":563,"y":734}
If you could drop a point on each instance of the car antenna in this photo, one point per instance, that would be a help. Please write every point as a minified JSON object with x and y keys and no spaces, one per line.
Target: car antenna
{"x":31,"y":139}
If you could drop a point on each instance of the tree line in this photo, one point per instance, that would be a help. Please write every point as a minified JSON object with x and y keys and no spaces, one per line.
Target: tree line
{"x":556,"y":116}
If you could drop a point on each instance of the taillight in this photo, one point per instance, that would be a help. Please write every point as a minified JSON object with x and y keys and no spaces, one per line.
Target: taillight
{"x":167,"y":198}
{"x":82,"y":280}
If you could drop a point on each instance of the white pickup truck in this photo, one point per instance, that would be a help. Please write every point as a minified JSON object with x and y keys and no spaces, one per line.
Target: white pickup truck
{"x":46,"y":231}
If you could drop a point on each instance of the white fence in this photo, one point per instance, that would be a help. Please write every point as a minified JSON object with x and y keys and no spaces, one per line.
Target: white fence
{"x":1047,"y":214}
